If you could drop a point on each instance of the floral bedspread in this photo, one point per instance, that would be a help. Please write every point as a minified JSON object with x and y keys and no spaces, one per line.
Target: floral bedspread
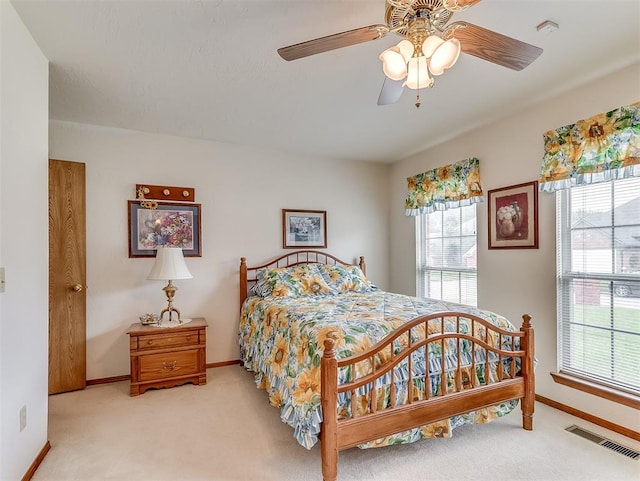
{"x":281,"y":342}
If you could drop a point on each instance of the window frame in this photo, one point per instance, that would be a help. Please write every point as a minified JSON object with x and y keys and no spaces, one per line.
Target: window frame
{"x":423,"y":270}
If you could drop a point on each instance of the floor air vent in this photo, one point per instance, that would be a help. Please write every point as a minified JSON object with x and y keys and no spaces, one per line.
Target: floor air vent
{"x":607,"y":443}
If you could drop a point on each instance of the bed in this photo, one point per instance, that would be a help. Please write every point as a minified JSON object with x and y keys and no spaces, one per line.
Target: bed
{"x":351,"y":365}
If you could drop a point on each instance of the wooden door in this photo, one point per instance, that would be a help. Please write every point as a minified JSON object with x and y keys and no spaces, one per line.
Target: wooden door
{"x":67,"y":276}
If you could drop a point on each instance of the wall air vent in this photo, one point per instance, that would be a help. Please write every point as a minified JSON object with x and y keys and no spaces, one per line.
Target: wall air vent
{"x":607,"y":443}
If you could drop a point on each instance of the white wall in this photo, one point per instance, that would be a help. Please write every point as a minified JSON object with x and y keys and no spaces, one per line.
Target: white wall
{"x":242,"y":191}
{"x":24,"y":115}
{"x":516,"y":281}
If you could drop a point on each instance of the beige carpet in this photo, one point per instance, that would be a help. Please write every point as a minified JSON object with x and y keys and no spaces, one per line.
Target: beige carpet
{"x":227,"y":431}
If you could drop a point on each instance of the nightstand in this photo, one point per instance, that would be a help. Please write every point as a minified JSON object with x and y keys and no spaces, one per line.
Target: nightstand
{"x":167,"y":357}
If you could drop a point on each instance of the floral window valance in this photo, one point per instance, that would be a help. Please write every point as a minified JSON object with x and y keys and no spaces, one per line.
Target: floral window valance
{"x":454,"y":185}
{"x":601,"y":148}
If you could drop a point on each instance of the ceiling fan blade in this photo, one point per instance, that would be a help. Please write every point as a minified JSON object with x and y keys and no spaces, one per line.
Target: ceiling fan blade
{"x":391,"y":91}
{"x":332,"y":42}
{"x":493,"y":46}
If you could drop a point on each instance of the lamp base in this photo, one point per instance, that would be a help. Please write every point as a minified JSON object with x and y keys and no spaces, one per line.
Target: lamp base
{"x":170,"y":291}
{"x":170,"y":310}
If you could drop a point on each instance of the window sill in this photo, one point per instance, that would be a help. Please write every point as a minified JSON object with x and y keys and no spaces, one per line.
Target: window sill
{"x":597,"y":390}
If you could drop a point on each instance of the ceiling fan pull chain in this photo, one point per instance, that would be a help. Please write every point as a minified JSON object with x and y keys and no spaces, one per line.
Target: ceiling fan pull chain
{"x":417,"y":104}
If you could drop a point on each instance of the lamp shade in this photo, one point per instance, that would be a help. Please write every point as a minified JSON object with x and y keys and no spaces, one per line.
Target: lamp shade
{"x":406,"y":50}
{"x":169,"y":265}
{"x":430,"y":45}
{"x":418,"y":76}
{"x":444,"y":56}
{"x":394,"y":65}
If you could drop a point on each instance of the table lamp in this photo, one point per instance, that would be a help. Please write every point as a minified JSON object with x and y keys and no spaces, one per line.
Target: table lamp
{"x":169,"y":265}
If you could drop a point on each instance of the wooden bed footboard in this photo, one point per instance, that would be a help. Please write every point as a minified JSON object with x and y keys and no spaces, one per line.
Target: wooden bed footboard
{"x":512,"y":377}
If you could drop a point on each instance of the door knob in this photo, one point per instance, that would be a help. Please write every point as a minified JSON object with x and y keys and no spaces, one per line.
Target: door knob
{"x":77,"y":288}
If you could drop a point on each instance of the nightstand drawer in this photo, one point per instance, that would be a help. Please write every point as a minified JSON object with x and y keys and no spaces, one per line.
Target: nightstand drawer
{"x":159,"y":341}
{"x":159,"y":366}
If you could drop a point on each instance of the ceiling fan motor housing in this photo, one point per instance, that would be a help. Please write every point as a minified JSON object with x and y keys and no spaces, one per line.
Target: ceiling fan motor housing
{"x":401,"y":16}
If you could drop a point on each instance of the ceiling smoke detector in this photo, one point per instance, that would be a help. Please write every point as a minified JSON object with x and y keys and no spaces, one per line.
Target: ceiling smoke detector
{"x":547,"y":27}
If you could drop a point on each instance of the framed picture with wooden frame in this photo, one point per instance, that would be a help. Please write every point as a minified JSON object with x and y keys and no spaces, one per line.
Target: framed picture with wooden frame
{"x":304,"y":228}
{"x":513,"y":217}
{"x":169,"y":225}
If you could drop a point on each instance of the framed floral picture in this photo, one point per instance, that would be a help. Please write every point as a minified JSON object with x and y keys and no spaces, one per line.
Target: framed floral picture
{"x":304,"y":228}
{"x":169,"y":225}
{"x":513,"y":217}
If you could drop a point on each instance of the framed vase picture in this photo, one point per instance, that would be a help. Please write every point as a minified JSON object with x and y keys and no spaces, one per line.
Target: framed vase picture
{"x":513,"y":217}
{"x":169,"y":225}
{"x":304,"y":228}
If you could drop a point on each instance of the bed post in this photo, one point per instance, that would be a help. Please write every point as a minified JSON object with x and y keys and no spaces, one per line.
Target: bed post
{"x":243,"y":280}
{"x":528,"y":401}
{"x":329,"y":394}
{"x":363,"y":266}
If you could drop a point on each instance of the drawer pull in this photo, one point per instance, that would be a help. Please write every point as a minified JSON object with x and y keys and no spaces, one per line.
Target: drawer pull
{"x":149,"y":342}
{"x":188,"y":338}
{"x":170,"y":366}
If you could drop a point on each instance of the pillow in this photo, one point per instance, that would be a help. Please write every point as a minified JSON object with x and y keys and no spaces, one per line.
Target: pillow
{"x":294,"y":281}
{"x":260,"y":288}
{"x":345,"y":278}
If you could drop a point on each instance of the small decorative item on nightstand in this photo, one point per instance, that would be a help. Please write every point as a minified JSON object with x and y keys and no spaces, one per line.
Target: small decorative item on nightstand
{"x":149,"y":319}
{"x":166,"y":357}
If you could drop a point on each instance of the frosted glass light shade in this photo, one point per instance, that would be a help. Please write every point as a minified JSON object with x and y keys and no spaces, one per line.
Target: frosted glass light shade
{"x":418,"y":76}
{"x":406,"y":49}
{"x":394,"y":65}
{"x":169,"y":265}
{"x":431,"y":44}
{"x":445,"y":56}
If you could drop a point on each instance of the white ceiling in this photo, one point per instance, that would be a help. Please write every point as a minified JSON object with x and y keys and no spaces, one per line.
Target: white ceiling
{"x":209,"y":69}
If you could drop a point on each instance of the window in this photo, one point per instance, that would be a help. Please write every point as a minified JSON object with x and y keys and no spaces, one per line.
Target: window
{"x":446,"y":255}
{"x":599,"y":283}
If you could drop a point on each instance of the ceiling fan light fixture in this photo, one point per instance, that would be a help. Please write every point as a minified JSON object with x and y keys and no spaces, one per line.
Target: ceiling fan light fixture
{"x":445,"y":56}
{"x":394,"y":65}
{"x":418,"y":75}
{"x":430,"y":44}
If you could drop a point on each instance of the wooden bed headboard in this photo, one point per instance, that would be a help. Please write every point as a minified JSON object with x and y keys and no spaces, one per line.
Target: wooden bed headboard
{"x":248,"y":275}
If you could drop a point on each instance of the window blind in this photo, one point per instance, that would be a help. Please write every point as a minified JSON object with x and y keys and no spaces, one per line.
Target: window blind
{"x":446,"y":255}
{"x":598,"y":271}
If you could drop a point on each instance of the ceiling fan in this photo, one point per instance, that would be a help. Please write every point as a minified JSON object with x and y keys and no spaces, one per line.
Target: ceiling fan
{"x":430,"y":44}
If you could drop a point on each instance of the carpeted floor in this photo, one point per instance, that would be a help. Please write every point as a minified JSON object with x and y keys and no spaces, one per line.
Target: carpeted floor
{"x":227,"y":431}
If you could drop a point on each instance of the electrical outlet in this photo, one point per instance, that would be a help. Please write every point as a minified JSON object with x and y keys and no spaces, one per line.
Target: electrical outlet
{"x":23,"y":417}
{"x":2,"y":282}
